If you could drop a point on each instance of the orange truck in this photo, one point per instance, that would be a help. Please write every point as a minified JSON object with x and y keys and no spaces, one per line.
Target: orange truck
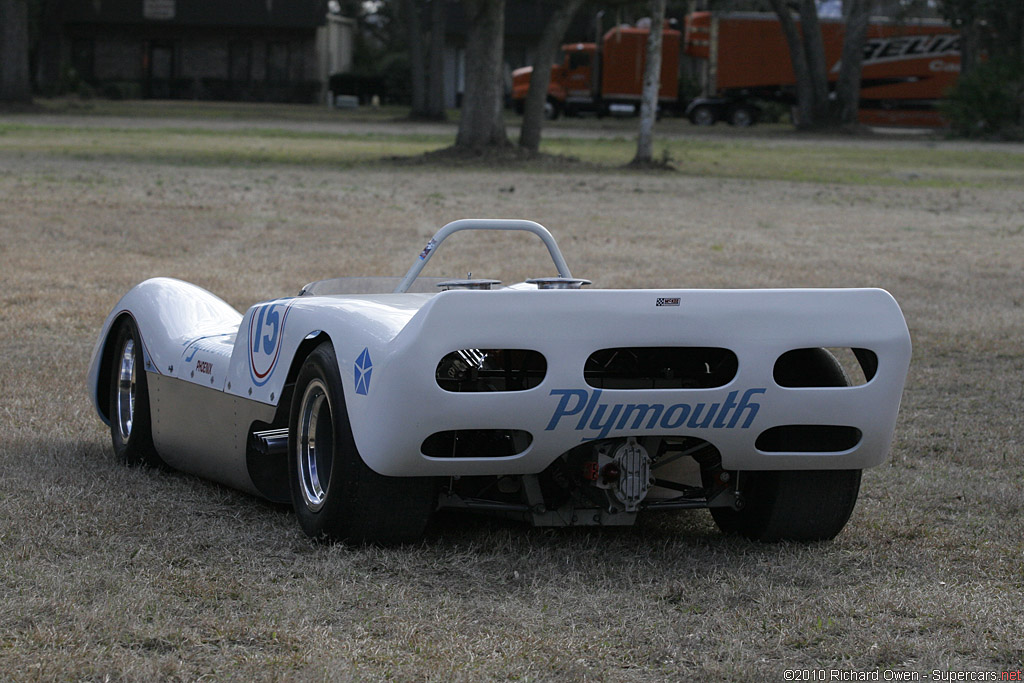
{"x":607,"y":79}
{"x":743,"y":57}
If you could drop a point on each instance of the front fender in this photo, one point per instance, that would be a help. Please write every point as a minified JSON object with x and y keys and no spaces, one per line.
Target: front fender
{"x":169,"y":314}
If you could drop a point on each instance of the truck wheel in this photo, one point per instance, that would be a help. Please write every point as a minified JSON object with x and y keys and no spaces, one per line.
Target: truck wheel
{"x":335,"y":495}
{"x":131,"y":428}
{"x":552,"y":109}
{"x":742,"y":116}
{"x":796,"y":505}
{"x":703,"y":115}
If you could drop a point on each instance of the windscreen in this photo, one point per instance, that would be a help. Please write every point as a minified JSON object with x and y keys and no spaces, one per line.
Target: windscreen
{"x":368,"y":285}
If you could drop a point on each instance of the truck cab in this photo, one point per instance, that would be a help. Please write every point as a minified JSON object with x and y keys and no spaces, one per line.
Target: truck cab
{"x":571,"y":84}
{"x":605,"y":80}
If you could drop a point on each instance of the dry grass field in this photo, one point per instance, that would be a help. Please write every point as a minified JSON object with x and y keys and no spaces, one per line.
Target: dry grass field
{"x":110,"y":573}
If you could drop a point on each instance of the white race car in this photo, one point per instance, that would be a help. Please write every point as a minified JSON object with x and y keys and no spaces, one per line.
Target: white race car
{"x":369,"y":403}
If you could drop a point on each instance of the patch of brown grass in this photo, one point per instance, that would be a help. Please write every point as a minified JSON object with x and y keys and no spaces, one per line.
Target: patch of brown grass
{"x":135,"y":574}
{"x":503,"y":156}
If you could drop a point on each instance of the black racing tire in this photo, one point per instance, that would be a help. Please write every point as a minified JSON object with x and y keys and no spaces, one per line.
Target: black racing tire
{"x":795,"y":505}
{"x":131,"y":427}
{"x":336,"y":496}
{"x":792,"y":505}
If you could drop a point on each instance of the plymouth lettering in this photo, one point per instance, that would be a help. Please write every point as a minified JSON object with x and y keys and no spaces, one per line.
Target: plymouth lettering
{"x":602,"y":418}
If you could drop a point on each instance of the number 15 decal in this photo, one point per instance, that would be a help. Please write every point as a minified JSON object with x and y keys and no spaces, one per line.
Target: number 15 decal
{"x":266,"y":334}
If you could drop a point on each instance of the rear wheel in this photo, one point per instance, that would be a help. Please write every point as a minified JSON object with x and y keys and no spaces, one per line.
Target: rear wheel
{"x":796,"y":505}
{"x":131,"y":428}
{"x":792,"y":505}
{"x":336,"y":496}
{"x":742,"y":116}
{"x":703,"y":115}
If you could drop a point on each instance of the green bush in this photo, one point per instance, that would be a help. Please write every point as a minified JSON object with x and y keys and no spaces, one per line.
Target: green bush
{"x":988,"y":102}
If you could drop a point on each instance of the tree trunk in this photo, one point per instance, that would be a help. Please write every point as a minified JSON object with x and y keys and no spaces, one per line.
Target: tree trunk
{"x":1020,"y":91}
{"x":416,"y":66}
{"x":801,"y":70}
{"x":968,"y":47}
{"x":652,"y":84}
{"x":814,"y":49}
{"x":547,"y":47}
{"x":14,"y":75}
{"x":807,"y":55}
{"x":852,"y":61}
{"x":1020,"y":37}
{"x":435,"y":79}
{"x":44,"y":46}
{"x":481,"y":124}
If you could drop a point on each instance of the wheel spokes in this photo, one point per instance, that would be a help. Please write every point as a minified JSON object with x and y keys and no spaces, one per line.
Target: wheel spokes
{"x":126,"y":390}
{"x":315,"y":445}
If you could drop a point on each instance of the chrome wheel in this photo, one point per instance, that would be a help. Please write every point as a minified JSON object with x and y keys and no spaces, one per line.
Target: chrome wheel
{"x":315,"y":445}
{"x":336,"y":496}
{"x":125,"y":400}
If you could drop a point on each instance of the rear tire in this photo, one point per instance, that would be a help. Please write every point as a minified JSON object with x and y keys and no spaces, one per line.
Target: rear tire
{"x":742,"y":116}
{"x":792,"y":505}
{"x":336,"y":496}
{"x":703,"y":115}
{"x":131,"y":428}
{"x":796,"y":505}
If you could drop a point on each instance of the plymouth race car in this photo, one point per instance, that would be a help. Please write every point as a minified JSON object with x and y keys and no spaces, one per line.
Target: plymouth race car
{"x":369,"y":403}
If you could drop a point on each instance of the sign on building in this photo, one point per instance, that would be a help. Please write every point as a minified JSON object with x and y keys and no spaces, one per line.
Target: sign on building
{"x":158,"y":9}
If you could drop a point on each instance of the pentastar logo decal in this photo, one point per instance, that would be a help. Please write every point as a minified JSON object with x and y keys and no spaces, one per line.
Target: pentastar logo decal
{"x":363,"y":368}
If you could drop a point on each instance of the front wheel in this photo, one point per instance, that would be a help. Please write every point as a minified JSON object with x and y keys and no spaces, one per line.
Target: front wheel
{"x":131,"y":428}
{"x":336,"y":496}
{"x":552,"y":109}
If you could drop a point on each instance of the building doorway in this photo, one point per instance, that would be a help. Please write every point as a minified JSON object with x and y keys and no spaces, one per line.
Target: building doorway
{"x":161,"y":70}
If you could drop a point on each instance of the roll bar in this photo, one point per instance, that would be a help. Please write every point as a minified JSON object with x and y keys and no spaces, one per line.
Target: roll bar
{"x":484,"y":224}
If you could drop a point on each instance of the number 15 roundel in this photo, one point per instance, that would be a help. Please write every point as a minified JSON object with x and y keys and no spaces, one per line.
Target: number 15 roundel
{"x":266,"y":335}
